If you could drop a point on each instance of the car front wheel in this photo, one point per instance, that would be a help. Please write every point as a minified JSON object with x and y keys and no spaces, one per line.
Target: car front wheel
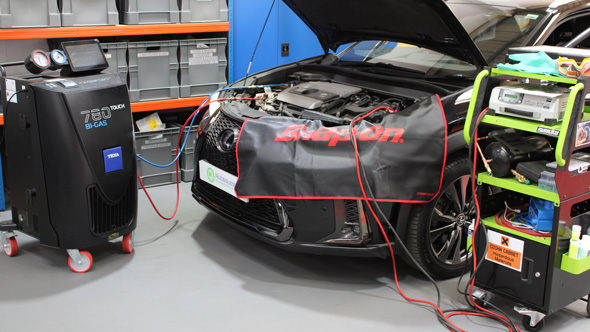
{"x":437,"y":231}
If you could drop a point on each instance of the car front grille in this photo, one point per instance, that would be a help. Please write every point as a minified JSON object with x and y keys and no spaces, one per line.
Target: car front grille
{"x":257,"y":212}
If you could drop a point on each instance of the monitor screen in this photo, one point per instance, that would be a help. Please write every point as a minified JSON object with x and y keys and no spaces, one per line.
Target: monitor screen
{"x":85,"y":55}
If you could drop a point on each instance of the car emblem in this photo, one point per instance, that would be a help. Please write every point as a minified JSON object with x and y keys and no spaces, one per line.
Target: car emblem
{"x":225,"y":140}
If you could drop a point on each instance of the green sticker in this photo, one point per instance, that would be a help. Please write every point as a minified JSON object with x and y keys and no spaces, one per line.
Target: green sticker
{"x":211,"y":174}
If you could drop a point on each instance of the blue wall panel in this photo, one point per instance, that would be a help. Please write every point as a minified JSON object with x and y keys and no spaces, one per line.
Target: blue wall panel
{"x":247,"y":19}
{"x":302,"y":42}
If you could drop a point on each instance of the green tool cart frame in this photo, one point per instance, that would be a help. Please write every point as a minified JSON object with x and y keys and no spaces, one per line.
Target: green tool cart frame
{"x":547,"y":280}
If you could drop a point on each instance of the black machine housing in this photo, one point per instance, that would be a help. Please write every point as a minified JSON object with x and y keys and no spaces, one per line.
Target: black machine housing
{"x":70,"y":150}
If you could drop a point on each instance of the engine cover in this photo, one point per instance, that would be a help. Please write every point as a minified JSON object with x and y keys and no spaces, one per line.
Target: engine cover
{"x":313,"y":95}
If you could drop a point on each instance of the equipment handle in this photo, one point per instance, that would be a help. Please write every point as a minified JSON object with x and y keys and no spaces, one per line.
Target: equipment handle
{"x":566,"y":123}
{"x":472,"y":103}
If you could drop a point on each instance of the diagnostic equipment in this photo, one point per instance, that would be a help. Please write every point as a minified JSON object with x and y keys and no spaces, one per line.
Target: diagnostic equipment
{"x":58,"y":59}
{"x":37,"y":62}
{"x":71,"y":161}
{"x":544,"y":103}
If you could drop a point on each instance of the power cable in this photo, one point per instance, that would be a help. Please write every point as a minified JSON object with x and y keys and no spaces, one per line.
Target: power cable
{"x":443,"y":318}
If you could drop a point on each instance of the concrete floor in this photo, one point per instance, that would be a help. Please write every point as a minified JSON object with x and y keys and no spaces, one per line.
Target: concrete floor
{"x":197,"y":273}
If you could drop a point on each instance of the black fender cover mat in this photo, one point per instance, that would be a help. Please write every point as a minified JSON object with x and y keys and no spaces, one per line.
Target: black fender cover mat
{"x":403,"y":156}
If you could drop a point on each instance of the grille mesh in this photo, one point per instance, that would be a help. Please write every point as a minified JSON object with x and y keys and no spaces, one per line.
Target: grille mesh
{"x":106,"y":217}
{"x":261,"y":212}
{"x":352,"y":211}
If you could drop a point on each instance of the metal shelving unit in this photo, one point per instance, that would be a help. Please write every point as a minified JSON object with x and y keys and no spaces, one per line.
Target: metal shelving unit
{"x":123,"y":30}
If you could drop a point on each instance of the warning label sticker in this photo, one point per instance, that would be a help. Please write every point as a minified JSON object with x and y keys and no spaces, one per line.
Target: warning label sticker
{"x":11,"y":91}
{"x":505,"y":250}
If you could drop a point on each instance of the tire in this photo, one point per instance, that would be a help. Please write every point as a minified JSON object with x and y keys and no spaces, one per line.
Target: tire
{"x":437,"y":231}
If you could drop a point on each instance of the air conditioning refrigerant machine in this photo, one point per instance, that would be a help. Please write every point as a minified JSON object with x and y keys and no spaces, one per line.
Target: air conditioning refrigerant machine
{"x":70,"y":153}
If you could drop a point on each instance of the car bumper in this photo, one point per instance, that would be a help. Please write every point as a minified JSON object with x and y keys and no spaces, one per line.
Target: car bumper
{"x":367,"y":250}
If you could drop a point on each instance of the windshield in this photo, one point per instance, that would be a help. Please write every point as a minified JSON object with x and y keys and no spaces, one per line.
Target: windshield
{"x":406,"y":56}
{"x":493,"y":28}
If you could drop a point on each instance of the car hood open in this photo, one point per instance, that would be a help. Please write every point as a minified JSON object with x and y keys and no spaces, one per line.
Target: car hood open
{"x":426,"y":23}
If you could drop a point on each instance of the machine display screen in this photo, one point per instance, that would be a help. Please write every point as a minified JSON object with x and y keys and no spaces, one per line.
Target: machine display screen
{"x":85,"y":55}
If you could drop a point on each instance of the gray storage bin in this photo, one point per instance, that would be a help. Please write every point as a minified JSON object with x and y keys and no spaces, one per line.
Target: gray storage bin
{"x":187,"y":170}
{"x":202,"y":66}
{"x":88,"y":12}
{"x":148,"y":11}
{"x":29,"y":14}
{"x":116,"y":54}
{"x":187,"y":162}
{"x":153,"y":70}
{"x":203,"y":11}
{"x":159,"y":147}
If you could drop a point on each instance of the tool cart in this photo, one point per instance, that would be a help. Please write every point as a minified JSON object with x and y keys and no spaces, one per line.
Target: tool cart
{"x":532,"y":268}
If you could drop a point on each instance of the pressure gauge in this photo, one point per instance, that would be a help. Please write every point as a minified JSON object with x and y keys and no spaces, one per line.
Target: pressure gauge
{"x":37,"y":62}
{"x":58,"y":59}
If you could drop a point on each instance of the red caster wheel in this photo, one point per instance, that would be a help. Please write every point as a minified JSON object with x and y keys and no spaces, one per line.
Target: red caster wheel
{"x":79,"y":261}
{"x":128,"y":242}
{"x":10,"y":247}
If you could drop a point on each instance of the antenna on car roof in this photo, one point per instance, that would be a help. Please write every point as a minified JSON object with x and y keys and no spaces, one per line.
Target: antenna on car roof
{"x":259,"y":37}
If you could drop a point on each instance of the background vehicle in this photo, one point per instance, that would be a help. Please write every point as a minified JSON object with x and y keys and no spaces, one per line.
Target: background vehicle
{"x":394,"y":54}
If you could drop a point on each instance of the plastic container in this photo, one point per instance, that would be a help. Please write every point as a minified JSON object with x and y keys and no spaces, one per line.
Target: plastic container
{"x":547,"y":181}
{"x":116,"y":54}
{"x":29,"y":14}
{"x":584,"y":247}
{"x":158,"y":147}
{"x":202,"y":66}
{"x":187,"y":162}
{"x":575,"y":266}
{"x":88,"y":12}
{"x":541,"y":214}
{"x":148,"y":11}
{"x":203,"y":11}
{"x":575,"y":242}
{"x":153,"y":70}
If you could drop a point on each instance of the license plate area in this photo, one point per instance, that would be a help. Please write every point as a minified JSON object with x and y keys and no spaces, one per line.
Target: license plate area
{"x":218,"y":178}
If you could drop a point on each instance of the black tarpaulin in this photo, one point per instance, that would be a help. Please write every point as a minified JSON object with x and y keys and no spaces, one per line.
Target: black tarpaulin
{"x":403,"y":156}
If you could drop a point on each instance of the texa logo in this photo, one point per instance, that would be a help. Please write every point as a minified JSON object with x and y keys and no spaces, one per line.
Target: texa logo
{"x":211,"y":175}
{"x":113,"y":155}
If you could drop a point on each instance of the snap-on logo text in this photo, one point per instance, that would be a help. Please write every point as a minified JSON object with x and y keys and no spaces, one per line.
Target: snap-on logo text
{"x":335,"y":135}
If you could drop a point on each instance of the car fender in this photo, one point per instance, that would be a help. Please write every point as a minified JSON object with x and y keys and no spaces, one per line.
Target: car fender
{"x":455,"y":145}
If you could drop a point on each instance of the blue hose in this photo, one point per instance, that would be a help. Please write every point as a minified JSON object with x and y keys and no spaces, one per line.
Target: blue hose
{"x":194,"y":116}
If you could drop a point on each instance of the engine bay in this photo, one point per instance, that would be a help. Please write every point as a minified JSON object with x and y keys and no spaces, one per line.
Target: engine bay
{"x":319,"y":100}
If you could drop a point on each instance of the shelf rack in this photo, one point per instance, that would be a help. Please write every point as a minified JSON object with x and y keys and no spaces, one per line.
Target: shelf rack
{"x":123,"y":30}
{"x":547,"y":280}
{"x":114,"y":30}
